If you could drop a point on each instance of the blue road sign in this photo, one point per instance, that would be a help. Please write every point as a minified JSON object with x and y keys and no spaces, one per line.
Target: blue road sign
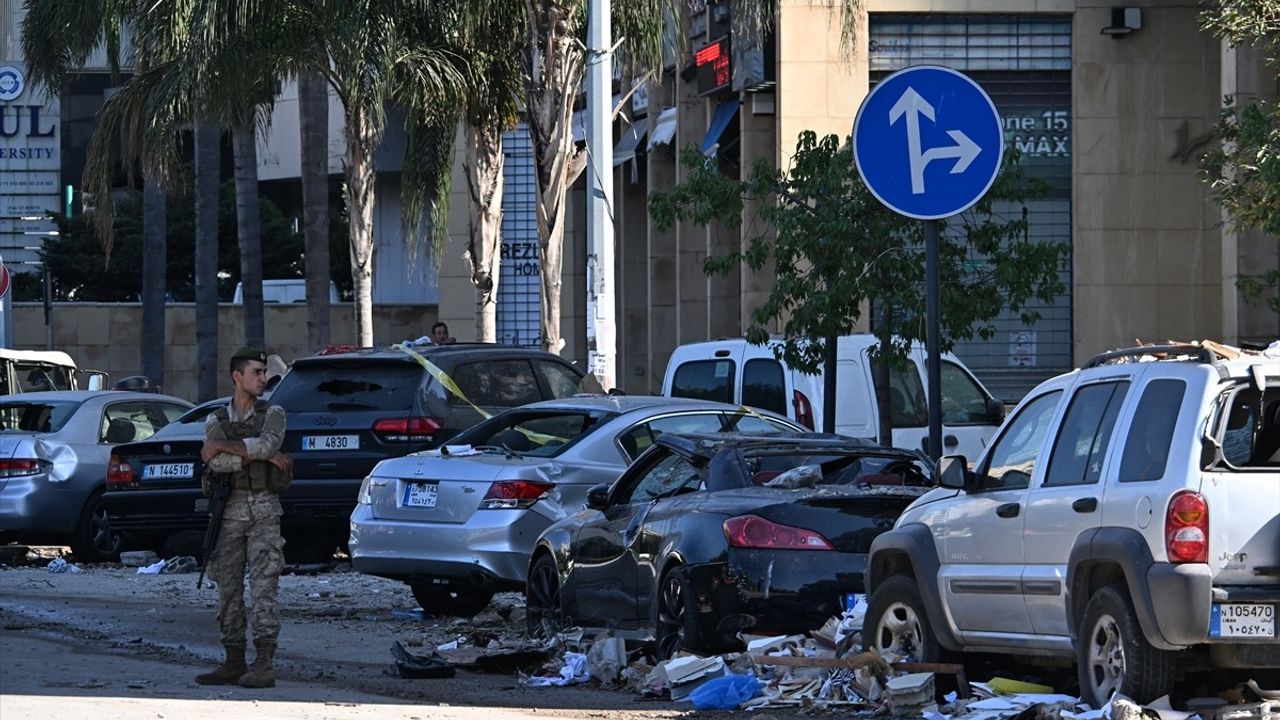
{"x":928,"y":142}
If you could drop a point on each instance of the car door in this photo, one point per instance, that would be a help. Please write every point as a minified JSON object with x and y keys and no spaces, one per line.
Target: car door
{"x":1066,"y":500}
{"x":967,"y":421}
{"x":605,"y":554}
{"x":982,"y":536}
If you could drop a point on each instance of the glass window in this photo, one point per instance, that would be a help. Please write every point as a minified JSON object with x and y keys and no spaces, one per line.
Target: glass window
{"x":1146,"y":449}
{"x":701,"y":423}
{"x":670,"y":476}
{"x":963,"y":401}
{"x":1013,"y":459}
{"x":764,"y":386}
{"x":170,"y":411}
{"x":198,"y":413}
{"x":704,"y":380}
{"x":497,"y":383}
{"x":39,"y":377}
{"x":534,"y":433}
{"x":1086,"y":431}
{"x":635,"y":441}
{"x":126,"y":422}
{"x":42,"y":417}
{"x":349,"y":385}
{"x":561,"y":380}
{"x":748,"y":423}
{"x":907,"y":404}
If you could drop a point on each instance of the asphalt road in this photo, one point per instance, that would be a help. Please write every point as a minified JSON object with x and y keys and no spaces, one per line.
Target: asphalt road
{"x":109,"y":643}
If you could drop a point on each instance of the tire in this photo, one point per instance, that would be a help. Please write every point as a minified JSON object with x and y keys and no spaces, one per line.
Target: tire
{"x":675,"y":620}
{"x":896,"y":623}
{"x":441,"y":600}
{"x":93,"y":541}
{"x":543,"y":611}
{"x":1112,"y":654}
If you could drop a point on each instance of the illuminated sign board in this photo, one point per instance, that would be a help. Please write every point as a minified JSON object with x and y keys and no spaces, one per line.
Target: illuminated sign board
{"x":712,"y":63}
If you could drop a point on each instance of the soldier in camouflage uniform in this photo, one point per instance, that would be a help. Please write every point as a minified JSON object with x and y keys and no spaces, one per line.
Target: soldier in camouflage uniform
{"x":242,"y":448}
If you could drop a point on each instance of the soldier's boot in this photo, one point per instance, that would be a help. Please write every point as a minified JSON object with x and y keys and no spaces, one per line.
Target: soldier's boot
{"x":261,"y":674}
{"x":229,"y":672}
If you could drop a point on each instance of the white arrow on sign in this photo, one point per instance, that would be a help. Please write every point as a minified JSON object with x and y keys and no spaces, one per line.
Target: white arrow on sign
{"x":912,"y":106}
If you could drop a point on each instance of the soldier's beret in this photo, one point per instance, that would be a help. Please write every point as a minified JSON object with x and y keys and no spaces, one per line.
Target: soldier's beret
{"x":250,"y":353}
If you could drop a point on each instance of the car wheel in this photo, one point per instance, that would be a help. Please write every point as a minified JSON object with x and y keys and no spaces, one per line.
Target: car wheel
{"x":896,"y":624}
{"x":676,"y":625}
{"x":93,"y":540}
{"x":542,"y":598}
{"x":1113,"y":655}
{"x":445,"y":600}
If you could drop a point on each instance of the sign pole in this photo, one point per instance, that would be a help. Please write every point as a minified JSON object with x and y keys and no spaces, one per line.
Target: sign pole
{"x":601,"y":326}
{"x":933,"y":336}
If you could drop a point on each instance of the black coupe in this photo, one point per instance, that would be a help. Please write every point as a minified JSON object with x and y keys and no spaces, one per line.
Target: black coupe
{"x":704,"y":537}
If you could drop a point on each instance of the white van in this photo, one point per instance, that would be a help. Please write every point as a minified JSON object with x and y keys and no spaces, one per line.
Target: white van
{"x":735,"y":371}
{"x":40,"y":370}
{"x":287,"y":290}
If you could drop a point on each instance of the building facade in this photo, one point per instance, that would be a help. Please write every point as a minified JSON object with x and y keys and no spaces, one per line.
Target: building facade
{"x":1112,"y":117}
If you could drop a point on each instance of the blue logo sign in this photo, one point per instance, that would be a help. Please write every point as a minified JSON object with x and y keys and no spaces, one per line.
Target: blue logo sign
{"x":10,"y":83}
{"x":928,"y":142}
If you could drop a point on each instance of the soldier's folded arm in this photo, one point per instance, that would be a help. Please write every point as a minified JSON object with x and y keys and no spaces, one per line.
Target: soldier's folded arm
{"x":268,"y":442}
{"x":223,"y":461}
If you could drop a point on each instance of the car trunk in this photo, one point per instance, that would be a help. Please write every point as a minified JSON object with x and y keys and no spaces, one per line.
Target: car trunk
{"x":345,"y":417}
{"x":162,"y":463}
{"x":849,"y":519}
{"x":440,"y":490}
{"x":1244,"y":528}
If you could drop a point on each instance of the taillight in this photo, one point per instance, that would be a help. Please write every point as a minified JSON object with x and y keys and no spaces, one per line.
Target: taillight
{"x":515,"y":494}
{"x":364,"y":496}
{"x":1186,"y":528}
{"x":753,"y":531}
{"x":119,"y":473}
{"x":804,"y":409}
{"x":20,"y":467}
{"x":407,"y":429}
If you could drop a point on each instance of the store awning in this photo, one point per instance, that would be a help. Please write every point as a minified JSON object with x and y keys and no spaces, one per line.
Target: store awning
{"x":664,"y":128}
{"x":724,"y":116}
{"x":626,"y":148}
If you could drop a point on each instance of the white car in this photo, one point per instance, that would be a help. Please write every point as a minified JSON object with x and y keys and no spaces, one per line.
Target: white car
{"x":459,"y":523}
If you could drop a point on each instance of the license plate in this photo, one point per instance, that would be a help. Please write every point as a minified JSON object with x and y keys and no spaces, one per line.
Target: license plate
{"x":168,"y":471}
{"x":421,"y":494}
{"x":331,"y":442}
{"x":1242,"y":620}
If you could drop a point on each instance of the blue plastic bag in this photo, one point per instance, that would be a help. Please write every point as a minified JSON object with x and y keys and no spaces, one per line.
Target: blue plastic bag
{"x":725,"y":693}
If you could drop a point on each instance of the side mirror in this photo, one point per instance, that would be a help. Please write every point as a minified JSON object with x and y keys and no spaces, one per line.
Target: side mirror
{"x":598,"y":497}
{"x":995,"y":410}
{"x":96,"y":381}
{"x":953,"y":472}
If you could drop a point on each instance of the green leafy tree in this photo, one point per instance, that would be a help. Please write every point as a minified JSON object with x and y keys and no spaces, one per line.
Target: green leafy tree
{"x":836,"y":250}
{"x":1243,"y":171}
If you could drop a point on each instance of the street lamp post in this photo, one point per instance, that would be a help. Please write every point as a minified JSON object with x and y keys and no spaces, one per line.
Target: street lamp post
{"x":601,"y":325}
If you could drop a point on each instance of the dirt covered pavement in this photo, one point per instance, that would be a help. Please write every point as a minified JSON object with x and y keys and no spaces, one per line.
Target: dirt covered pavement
{"x":73,"y":641}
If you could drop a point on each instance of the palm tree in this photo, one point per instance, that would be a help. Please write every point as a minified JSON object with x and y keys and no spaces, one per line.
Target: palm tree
{"x":208,"y":160}
{"x":57,"y":39}
{"x":313,"y":115}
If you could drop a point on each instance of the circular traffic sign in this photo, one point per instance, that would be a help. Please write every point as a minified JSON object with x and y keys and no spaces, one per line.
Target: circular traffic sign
{"x":4,"y":279}
{"x":928,"y":142}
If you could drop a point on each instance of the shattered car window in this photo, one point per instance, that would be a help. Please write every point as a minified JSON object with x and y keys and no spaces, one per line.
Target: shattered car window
{"x":357,"y":385}
{"x":534,"y":433}
{"x":45,"y":417}
{"x":672,"y":476}
{"x":806,"y":469}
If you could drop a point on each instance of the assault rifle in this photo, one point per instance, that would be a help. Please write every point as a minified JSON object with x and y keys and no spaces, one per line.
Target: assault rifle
{"x":220,"y":490}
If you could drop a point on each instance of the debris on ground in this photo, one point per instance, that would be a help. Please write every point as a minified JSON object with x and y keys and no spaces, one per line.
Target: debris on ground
{"x":172,"y":566}
{"x":725,"y":693}
{"x":138,"y":558}
{"x":413,"y":666}
{"x":58,"y":565}
{"x":573,"y":671}
{"x":606,"y":658}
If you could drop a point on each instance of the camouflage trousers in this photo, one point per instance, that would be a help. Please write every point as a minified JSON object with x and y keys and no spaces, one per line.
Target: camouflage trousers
{"x":250,"y":541}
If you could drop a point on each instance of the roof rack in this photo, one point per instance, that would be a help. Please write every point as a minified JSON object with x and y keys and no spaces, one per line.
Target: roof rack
{"x":1201,"y":354}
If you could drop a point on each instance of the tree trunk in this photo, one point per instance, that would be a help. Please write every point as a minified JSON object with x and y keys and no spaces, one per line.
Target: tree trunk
{"x":830,"y":365}
{"x":553,"y":66}
{"x":361,"y":179}
{"x":207,"y":163}
{"x":249,"y":231}
{"x":483,"y":170}
{"x":880,"y":376}
{"x":154,"y":247}
{"x":313,"y":111}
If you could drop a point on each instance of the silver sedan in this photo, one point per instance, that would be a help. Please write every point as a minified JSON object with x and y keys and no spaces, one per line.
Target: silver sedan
{"x":55,"y":455}
{"x":458,"y":523}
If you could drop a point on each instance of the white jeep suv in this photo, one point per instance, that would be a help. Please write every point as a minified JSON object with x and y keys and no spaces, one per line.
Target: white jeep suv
{"x":1126,"y":515}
